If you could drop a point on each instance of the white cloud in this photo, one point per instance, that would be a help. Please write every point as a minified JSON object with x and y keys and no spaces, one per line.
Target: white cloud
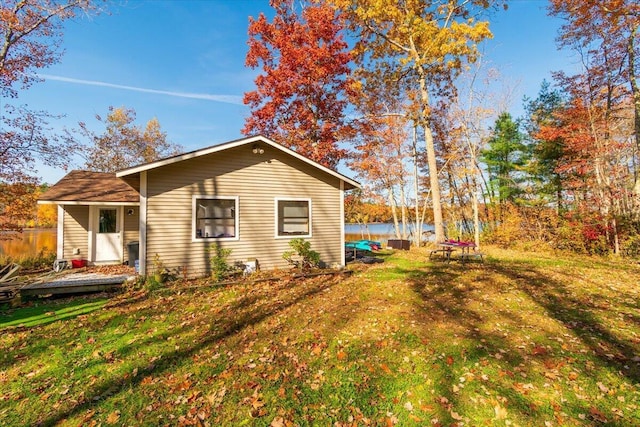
{"x":229,"y":99}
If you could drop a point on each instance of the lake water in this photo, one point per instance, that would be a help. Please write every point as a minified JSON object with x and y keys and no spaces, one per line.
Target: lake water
{"x":32,"y":242}
{"x":29,"y":243}
{"x":380,"y":231}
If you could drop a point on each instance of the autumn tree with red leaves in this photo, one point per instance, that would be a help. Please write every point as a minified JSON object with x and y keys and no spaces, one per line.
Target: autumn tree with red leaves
{"x":300,"y":96}
{"x":596,"y":152}
{"x":602,"y":116}
{"x":606,"y":35}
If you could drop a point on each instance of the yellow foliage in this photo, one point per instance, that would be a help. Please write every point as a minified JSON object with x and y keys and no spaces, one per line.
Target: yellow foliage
{"x":47,"y":216}
{"x":420,"y":30}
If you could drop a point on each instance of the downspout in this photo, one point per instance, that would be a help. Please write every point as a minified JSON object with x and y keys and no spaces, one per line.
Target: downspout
{"x":343,"y":259}
{"x":143,"y":224}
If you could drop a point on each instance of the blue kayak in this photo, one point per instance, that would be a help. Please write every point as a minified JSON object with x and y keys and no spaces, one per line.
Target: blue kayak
{"x":364,"y":245}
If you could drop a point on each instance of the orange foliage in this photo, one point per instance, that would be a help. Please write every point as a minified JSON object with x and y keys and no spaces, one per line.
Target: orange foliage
{"x":299,"y":99}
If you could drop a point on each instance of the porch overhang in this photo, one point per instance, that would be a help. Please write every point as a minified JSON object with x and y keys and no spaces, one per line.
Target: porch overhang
{"x":85,"y":203}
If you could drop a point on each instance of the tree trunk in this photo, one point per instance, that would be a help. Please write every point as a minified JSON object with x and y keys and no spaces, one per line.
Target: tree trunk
{"x":635,"y":90}
{"x":394,"y":211}
{"x":438,"y":223}
{"x":403,"y":210}
{"x":416,"y":188}
{"x":476,"y":214}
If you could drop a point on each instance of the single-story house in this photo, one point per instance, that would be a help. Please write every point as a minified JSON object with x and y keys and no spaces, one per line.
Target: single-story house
{"x":251,"y":196}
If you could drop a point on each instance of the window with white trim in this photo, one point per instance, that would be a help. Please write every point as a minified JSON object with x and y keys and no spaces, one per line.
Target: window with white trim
{"x":215,"y":217}
{"x":293,"y":217}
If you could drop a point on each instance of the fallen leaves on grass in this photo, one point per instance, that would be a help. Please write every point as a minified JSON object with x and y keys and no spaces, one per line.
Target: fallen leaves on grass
{"x":403,"y":344}
{"x":113,"y":418}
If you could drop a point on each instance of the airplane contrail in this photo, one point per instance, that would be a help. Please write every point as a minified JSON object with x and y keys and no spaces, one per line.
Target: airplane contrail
{"x":229,"y":99}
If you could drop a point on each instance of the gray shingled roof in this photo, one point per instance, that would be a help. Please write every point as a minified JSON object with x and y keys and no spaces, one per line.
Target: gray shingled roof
{"x":90,"y":187}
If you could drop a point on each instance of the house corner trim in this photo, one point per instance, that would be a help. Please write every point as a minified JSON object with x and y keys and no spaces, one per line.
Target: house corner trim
{"x":143,"y":224}
{"x":342,"y":240}
{"x":60,"y":233}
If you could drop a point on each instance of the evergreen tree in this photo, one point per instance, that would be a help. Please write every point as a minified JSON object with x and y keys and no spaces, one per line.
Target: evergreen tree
{"x":546,"y":153}
{"x":505,"y":159}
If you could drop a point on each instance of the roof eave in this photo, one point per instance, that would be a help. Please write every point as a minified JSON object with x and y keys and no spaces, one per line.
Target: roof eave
{"x":225,"y":146}
{"x":86,"y":203}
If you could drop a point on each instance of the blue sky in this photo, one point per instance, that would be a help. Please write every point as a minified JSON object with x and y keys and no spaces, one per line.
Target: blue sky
{"x":183,"y":62}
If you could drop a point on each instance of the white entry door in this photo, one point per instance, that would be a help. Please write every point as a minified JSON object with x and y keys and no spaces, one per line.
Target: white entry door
{"x":108,"y":246}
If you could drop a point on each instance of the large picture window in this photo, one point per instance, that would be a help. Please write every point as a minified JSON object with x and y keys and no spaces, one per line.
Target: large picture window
{"x":215,"y":217}
{"x":293,"y":217}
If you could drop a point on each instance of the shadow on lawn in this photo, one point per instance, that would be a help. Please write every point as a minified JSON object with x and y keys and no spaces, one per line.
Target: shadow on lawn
{"x":439,"y":290}
{"x":444,"y":296}
{"x":454,"y":294}
{"x":26,"y":318}
{"x":578,"y":315}
{"x":43,"y":314}
{"x":243,"y":312}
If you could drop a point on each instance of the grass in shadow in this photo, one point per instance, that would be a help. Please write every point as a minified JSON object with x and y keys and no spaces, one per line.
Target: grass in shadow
{"x":43,"y":313}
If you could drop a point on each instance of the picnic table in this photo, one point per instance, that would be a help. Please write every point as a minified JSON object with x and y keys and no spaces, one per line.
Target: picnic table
{"x":447,"y":248}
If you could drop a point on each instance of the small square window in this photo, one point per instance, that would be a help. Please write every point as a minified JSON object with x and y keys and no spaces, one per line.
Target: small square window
{"x":108,"y":221}
{"x":215,"y":217}
{"x":293,"y":217}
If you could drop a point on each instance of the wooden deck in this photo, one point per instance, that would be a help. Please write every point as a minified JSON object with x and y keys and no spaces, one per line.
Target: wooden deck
{"x":75,"y":283}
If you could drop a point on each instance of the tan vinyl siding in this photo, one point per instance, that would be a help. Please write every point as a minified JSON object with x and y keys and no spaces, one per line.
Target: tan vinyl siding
{"x":256,"y":180}
{"x":76,"y":229}
{"x":131,"y":229}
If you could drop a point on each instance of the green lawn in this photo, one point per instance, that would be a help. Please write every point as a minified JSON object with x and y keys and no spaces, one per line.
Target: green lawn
{"x":520,"y":340}
{"x":41,"y":313}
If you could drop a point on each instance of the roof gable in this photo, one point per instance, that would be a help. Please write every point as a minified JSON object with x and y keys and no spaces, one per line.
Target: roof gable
{"x":350,"y":184}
